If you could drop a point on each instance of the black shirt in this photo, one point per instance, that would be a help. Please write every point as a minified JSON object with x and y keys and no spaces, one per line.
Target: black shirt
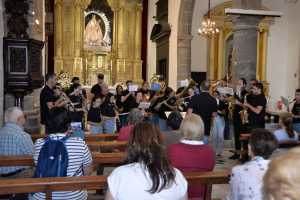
{"x":96,"y":90}
{"x":204,"y":105}
{"x":296,"y":111}
{"x":130,"y":102}
{"x":257,"y":120}
{"x":77,"y":116}
{"x":46,"y":96}
{"x":94,"y":115}
{"x":119,"y":103}
{"x":107,"y":107}
{"x":237,"y":109}
{"x":222,"y":108}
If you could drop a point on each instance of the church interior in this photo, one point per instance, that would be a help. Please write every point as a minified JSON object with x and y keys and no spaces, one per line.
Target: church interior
{"x":243,"y":54}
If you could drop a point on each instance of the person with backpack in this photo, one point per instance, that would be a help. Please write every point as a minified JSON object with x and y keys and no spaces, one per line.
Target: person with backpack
{"x":61,"y":155}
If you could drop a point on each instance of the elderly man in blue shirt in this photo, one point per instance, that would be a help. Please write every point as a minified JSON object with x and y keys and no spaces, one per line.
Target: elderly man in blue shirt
{"x":14,"y":141}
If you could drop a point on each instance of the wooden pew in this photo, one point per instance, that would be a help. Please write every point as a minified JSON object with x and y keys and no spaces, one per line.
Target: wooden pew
{"x":88,"y":137}
{"x":48,"y":185}
{"x":98,"y":159}
{"x":108,"y":145}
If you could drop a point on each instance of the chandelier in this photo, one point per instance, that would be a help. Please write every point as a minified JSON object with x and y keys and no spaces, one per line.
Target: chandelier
{"x":208,"y":26}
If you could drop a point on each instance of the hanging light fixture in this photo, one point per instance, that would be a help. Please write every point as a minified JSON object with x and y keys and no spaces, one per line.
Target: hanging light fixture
{"x":208,"y":26}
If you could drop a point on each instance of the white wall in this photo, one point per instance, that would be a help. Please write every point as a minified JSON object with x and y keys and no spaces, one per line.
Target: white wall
{"x":1,"y":61}
{"x":283,"y":49}
{"x":173,"y":18}
{"x":199,"y":43}
{"x":151,"y":47}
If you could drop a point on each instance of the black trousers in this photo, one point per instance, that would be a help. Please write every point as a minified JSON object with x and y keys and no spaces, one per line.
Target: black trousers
{"x":237,"y":123}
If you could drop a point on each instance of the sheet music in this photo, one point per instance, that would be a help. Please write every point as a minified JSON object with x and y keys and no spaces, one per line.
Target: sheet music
{"x":144,"y":105}
{"x":133,"y":88}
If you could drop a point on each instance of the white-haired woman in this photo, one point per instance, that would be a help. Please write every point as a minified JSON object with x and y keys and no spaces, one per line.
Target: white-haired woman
{"x":191,"y":154}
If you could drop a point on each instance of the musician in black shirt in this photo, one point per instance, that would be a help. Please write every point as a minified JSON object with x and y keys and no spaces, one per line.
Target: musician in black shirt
{"x":96,"y":89}
{"x":94,"y":116}
{"x":256,"y":105}
{"x":78,"y":101}
{"x":108,"y":110}
{"x":296,"y":111}
{"x":238,"y":126}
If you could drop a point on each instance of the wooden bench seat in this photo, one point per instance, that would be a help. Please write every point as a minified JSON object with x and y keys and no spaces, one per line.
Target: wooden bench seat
{"x":48,"y":185}
{"x":88,"y":137}
{"x":98,"y":159}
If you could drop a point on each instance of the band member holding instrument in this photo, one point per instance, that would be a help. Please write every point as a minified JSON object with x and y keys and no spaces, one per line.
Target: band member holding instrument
{"x":164,"y":100}
{"x":296,"y":111}
{"x":237,"y":121}
{"x":257,"y":107}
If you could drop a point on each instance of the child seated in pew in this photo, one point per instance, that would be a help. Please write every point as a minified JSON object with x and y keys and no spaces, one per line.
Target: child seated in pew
{"x":94,"y":116}
{"x":247,"y":180}
{"x":286,"y":131}
{"x":148,"y":173}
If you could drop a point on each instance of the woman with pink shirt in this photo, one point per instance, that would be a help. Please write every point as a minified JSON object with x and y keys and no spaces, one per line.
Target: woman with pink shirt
{"x":191,"y":154}
{"x":135,"y":116}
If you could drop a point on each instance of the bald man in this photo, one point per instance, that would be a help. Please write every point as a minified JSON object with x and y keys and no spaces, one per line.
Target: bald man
{"x":14,"y":141}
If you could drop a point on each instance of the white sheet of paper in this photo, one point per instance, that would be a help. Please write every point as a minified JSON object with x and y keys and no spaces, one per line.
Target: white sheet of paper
{"x":144,"y":105}
{"x":133,"y":88}
{"x":184,"y":83}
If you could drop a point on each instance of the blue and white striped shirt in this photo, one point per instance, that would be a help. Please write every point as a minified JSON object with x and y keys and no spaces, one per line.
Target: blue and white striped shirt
{"x":14,"y":141}
{"x":79,"y":157}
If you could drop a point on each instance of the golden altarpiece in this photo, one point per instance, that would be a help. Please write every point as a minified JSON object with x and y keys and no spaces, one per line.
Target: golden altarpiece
{"x":105,"y":39}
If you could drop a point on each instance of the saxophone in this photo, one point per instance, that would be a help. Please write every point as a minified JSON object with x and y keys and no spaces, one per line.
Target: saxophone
{"x":244,"y":113}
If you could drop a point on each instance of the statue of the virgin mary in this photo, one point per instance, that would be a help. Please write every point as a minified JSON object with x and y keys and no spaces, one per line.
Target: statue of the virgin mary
{"x":93,"y":34}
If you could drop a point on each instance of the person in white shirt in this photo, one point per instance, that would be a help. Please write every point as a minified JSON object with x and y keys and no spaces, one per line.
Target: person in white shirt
{"x":246,"y":180}
{"x":148,"y":174}
{"x":286,"y":131}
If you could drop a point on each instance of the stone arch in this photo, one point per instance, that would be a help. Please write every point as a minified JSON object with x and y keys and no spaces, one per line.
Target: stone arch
{"x":184,"y":39}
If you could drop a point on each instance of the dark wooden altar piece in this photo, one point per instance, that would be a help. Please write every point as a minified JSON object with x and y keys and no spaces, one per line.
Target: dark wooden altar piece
{"x":23,"y":67}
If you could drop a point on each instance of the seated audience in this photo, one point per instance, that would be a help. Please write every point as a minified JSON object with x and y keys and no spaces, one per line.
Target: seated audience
{"x":148,"y":173}
{"x":135,"y":116}
{"x":191,"y":154}
{"x":246,"y":180}
{"x":174,"y":135}
{"x":94,"y":116}
{"x":282,"y":180}
{"x":286,"y":131}
{"x":79,"y":159}
{"x":14,"y":141}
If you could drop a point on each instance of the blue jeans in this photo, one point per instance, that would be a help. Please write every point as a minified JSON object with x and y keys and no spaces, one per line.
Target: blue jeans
{"x":107,"y":126}
{"x":96,"y":129}
{"x":123,"y":120}
{"x":297,"y":127}
{"x":218,"y":135}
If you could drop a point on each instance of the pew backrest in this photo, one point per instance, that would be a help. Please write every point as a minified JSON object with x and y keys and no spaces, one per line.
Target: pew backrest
{"x":49,"y":185}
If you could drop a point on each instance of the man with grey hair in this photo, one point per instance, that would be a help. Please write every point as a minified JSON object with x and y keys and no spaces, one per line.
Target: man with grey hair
{"x":14,"y":141}
{"x":135,"y":116}
{"x":205,"y":106}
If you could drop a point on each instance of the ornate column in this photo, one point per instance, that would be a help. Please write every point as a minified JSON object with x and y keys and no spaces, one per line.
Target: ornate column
{"x":245,"y":46}
{"x":211,"y":59}
{"x":137,"y":72}
{"x":78,"y":15}
{"x":58,"y":62}
{"x":220,"y":54}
